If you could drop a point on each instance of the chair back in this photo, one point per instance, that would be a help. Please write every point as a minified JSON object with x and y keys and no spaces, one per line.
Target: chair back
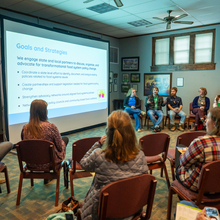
{"x":38,"y":152}
{"x":126,"y":197}
{"x":188,"y":137}
{"x":190,"y":107}
{"x":81,"y":146}
{"x":154,"y":144}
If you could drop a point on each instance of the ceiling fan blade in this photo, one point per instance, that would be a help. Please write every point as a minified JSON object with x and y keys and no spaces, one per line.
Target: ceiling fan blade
{"x":183,"y":22}
{"x":161,"y":19}
{"x":179,"y":17}
{"x":154,"y":24}
{"x":118,"y":3}
{"x":168,"y":25}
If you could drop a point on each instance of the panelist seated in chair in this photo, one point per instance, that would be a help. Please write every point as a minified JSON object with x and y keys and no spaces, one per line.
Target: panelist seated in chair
{"x":175,"y":106}
{"x":132,"y":106}
{"x":39,"y":128}
{"x":154,"y":105}
{"x":201,"y":151}
{"x":121,"y":158}
{"x":200,"y":106}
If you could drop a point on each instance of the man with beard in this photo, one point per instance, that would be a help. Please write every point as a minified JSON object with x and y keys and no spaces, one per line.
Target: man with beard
{"x":175,"y":105}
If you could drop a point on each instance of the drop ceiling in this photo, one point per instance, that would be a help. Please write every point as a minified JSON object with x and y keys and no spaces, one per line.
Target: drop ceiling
{"x":118,"y":23}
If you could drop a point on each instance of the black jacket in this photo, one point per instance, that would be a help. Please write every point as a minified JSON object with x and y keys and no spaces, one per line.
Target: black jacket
{"x":137,"y":104}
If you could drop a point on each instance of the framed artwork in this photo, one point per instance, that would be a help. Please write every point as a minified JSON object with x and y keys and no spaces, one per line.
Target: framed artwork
{"x":130,"y":63}
{"x":125,"y":88}
{"x":115,"y":75}
{"x":179,"y":82}
{"x":111,"y":77}
{"x":135,"y":77}
{"x":110,"y":88}
{"x":161,"y":80}
{"x":115,"y":88}
{"x":135,"y":86}
{"x":115,"y":81}
{"x":125,"y":77}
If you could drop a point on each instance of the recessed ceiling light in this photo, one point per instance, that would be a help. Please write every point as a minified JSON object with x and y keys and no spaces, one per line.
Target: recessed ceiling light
{"x":102,"y":8}
{"x":140,"y":23}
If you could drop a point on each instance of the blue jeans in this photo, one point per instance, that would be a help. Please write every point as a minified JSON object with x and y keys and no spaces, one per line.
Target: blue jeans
{"x":151,"y":113}
{"x":172,"y":116}
{"x":135,"y":112}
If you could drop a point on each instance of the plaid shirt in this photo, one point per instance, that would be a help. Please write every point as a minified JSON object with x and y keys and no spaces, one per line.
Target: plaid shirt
{"x":202,"y":150}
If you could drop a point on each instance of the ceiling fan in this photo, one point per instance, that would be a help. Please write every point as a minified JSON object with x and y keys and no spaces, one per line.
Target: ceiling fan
{"x":171,"y":19}
{"x":117,"y":2}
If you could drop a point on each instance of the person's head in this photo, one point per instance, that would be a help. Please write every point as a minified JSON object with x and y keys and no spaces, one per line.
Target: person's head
{"x":173,"y":91}
{"x":131,"y":92}
{"x":202,"y":91}
{"x":155,"y":91}
{"x":213,"y":122}
{"x":38,"y":113}
{"x":121,"y":141}
{"x":38,"y":110}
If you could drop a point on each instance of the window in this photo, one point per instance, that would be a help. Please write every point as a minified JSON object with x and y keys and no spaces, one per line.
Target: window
{"x":203,"y":48}
{"x":181,"y":49}
{"x":162,"y":51}
{"x":187,"y":51}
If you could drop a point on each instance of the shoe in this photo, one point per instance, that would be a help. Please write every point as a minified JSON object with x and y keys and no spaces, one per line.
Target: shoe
{"x":143,"y":113}
{"x":158,"y":129}
{"x":193,"y":129}
{"x":140,"y":130}
{"x":46,"y":181}
{"x":173,"y":128}
{"x":180,"y":128}
{"x":2,"y":181}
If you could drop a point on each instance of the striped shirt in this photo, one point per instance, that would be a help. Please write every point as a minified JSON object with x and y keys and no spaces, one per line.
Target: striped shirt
{"x":202,"y":150}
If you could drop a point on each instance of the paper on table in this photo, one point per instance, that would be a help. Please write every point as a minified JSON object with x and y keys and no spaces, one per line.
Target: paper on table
{"x":185,"y":212}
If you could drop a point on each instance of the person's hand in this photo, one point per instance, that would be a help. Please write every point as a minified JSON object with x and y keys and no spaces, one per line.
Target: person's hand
{"x":148,"y":101}
{"x":177,"y":110}
{"x":133,"y":107}
{"x":202,"y":107}
{"x":103,"y":139}
{"x":201,"y":215}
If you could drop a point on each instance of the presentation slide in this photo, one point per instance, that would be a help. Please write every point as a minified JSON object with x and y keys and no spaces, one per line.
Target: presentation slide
{"x":72,"y":77}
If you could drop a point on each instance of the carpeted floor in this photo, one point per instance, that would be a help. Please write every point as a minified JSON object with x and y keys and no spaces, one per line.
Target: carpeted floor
{"x":38,"y":202}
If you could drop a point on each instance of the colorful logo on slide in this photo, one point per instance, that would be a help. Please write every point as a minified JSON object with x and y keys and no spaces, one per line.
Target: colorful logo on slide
{"x":101,"y":94}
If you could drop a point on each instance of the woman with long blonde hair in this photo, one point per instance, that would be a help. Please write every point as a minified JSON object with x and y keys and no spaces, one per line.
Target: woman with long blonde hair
{"x":121,"y":158}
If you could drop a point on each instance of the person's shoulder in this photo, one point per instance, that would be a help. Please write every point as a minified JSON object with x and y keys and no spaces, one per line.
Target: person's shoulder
{"x":49,"y":125}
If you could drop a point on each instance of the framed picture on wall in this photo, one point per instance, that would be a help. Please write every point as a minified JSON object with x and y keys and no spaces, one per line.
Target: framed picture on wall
{"x":125,"y":88}
{"x":130,"y":63}
{"x":111,"y":77}
{"x":135,"y":77}
{"x":125,"y":77}
{"x":115,"y":88}
{"x":161,"y":80}
{"x":135,"y":86}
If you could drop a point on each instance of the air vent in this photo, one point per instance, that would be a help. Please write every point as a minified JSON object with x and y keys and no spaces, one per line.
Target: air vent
{"x":102,"y":8}
{"x":139,"y":23}
{"x":114,"y":54}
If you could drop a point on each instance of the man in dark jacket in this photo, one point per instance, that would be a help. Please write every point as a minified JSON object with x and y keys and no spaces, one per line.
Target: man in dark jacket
{"x":154,"y":103}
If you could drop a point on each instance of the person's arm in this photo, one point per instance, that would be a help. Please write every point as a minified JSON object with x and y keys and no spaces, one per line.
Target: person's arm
{"x":125,"y":103}
{"x":162,"y":103}
{"x":89,"y":159}
{"x":180,"y":105}
{"x":180,"y":108}
{"x":195,"y":102}
{"x":207,"y":103}
{"x":193,"y":154}
{"x":146,"y":101}
{"x":138,"y":103}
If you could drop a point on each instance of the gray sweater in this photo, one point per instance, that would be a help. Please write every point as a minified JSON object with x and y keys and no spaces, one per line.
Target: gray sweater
{"x":105,"y":173}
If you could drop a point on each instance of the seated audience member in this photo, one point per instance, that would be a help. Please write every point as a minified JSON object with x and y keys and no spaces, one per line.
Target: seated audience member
{"x":122,"y":158}
{"x":175,"y":106}
{"x":154,"y":105}
{"x":202,"y":150}
{"x":132,"y":106}
{"x":200,"y":106}
{"x":216,"y":101}
{"x":39,"y":128}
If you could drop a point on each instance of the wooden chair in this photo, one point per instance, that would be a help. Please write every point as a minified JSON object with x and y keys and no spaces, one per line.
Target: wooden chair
{"x":3,"y":168}
{"x":208,"y":189}
{"x":126,"y":197}
{"x":79,"y":149}
{"x":147,"y":119}
{"x":191,"y":117}
{"x":168,"y":117}
{"x":153,"y":145}
{"x":39,"y":153}
{"x":185,"y":139}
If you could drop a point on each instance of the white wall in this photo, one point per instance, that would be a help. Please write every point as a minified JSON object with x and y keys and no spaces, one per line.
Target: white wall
{"x":193,"y":80}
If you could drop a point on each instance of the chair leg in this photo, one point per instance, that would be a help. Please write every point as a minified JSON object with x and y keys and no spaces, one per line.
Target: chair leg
{"x":57,"y":189}
{"x":151,"y":172}
{"x":65,"y":175}
{"x":169,"y":123}
{"x":188,"y":123}
{"x":167,"y":177}
{"x":0,"y":189}
{"x":170,"y":198}
{"x":161,"y":172}
{"x":7,"y":179}
{"x":71,"y":184}
{"x":19,"y":189}
{"x":147,"y":124}
{"x":173,"y":171}
{"x":32,"y":182}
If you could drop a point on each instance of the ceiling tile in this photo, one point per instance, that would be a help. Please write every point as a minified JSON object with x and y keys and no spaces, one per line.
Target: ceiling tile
{"x":66,"y":17}
{"x":51,"y":2}
{"x":6,"y":3}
